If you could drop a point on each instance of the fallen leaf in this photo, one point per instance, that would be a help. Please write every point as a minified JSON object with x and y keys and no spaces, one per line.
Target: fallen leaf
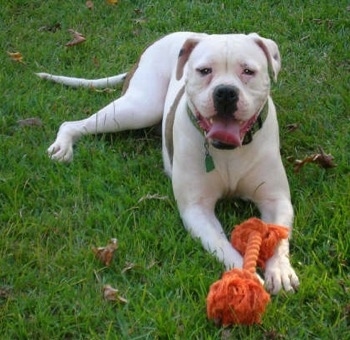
{"x":16,"y":56}
{"x":305,"y":37}
{"x":292,"y":127}
{"x":51,"y":28}
{"x":95,"y":61}
{"x":105,"y":90}
{"x":152,"y":264}
{"x":112,"y":294}
{"x":273,"y":335}
{"x":325,"y":160}
{"x":5,"y":292}
{"x":136,"y":32}
{"x":140,"y":21}
{"x":322,"y":159}
{"x":327,"y":22}
{"x":129,"y":266}
{"x":89,"y":4}
{"x":30,"y":122}
{"x":78,"y":38}
{"x":112,"y":2}
{"x":105,"y":254}
{"x":152,"y":197}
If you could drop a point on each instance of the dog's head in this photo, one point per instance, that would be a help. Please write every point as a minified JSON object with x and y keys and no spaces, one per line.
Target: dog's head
{"x":227,"y":82}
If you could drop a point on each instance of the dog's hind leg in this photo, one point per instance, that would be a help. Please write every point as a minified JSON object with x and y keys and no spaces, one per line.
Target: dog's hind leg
{"x":141,"y":106}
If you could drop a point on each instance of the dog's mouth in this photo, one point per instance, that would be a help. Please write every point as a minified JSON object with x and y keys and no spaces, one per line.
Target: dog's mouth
{"x":225,"y":132}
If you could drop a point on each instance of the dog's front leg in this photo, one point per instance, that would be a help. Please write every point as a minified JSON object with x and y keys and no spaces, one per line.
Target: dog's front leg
{"x":279,"y":272}
{"x":200,"y":220}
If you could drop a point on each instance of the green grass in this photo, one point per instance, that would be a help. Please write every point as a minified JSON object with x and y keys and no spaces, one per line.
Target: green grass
{"x":52,"y":214}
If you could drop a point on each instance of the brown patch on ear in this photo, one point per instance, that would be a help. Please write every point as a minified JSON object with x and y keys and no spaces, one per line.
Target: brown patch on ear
{"x":271,"y":51}
{"x":184,"y":54}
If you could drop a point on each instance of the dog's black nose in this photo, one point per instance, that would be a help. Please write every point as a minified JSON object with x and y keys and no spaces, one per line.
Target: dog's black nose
{"x":225,"y":99}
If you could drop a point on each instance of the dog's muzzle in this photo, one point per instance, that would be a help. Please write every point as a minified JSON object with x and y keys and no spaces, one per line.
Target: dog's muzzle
{"x":227,"y":133}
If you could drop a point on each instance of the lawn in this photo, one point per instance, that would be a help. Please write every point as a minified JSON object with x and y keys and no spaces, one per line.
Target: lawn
{"x":52,"y":215}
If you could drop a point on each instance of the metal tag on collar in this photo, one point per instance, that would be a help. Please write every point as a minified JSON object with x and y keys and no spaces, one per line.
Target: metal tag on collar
{"x":209,"y":162}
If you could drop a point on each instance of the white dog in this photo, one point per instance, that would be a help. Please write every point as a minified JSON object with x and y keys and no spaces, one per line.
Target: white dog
{"x":220,"y":132}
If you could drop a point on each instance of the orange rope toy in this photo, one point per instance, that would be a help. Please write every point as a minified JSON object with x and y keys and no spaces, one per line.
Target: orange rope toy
{"x":239,"y":297}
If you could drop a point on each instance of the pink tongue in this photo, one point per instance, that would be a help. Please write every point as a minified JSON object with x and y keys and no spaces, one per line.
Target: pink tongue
{"x":227,"y":132}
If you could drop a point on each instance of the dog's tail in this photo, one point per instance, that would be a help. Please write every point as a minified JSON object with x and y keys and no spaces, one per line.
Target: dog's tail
{"x":81,"y":82}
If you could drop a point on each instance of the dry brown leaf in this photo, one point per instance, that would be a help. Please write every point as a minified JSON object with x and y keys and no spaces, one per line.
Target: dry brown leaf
{"x":152,"y":197}
{"x":78,"y":38}
{"x":50,"y":28}
{"x":5,"y":292}
{"x":105,"y":254}
{"x":16,"y":56}
{"x":112,"y":294}
{"x":112,"y":2}
{"x":152,"y":264}
{"x":128,"y":266}
{"x":105,"y":90}
{"x":136,"y":32}
{"x":96,"y":62}
{"x":325,"y":160}
{"x":30,"y":122}
{"x":140,"y":21}
{"x":89,"y":4}
{"x":327,"y":22}
{"x":292,"y":127}
{"x":322,"y":159}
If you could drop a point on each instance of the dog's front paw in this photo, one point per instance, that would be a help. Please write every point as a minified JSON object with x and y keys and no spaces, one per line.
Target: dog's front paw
{"x":61,"y":151}
{"x":280,"y":274}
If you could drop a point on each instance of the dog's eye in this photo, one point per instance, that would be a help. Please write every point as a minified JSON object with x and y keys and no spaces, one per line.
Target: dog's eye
{"x":248,"y":72}
{"x":204,"y":71}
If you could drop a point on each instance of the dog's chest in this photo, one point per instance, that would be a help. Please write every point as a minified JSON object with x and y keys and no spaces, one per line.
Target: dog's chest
{"x":230,"y":166}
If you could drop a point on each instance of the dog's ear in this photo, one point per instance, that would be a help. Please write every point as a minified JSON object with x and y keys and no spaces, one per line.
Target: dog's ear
{"x":184,"y":54}
{"x":271,"y":51}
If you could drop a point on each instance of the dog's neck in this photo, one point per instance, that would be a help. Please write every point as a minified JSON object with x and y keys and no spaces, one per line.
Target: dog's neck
{"x":248,"y":137}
